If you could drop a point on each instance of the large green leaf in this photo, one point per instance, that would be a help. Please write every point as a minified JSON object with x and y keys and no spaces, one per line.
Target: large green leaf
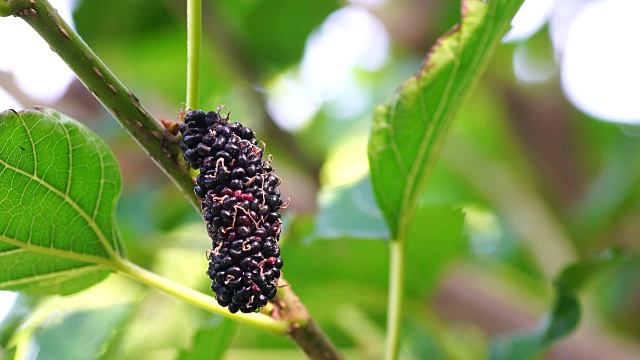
{"x":211,"y":341}
{"x":563,"y":317}
{"x":409,"y":129}
{"x":59,"y":184}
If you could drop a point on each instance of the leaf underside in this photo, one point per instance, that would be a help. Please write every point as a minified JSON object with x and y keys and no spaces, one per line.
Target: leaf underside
{"x":59,"y":184}
{"x":408,"y":130}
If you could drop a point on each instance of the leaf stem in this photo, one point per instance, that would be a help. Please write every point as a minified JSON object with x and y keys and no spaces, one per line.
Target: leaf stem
{"x":199,"y":299}
{"x":105,"y":86}
{"x":194,"y":30}
{"x":396,"y":298}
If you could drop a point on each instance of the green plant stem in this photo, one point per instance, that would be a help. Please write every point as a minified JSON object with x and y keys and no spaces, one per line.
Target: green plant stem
{"x":198,"y":299}
{"x":194,"y":32}
{"x":8,"y":8}
{"x":104,"y":85}
{"x":396,"y":298}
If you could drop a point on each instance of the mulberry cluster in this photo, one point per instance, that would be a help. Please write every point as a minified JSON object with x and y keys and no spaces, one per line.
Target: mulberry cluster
{"x":240,"y":204}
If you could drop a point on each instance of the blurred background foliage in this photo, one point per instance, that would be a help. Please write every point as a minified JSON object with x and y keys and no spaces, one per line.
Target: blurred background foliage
{"x":525,"y":185}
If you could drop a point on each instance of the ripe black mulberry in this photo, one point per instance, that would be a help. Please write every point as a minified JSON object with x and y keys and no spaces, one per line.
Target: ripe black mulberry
{"x":240,"y":204}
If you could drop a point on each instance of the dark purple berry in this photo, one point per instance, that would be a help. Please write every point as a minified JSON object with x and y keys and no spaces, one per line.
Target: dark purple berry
{"x":240,"y":203}
{"x":192,"y":140}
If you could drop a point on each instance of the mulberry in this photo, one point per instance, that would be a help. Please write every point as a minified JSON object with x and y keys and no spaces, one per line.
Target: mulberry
{"x":240,"y":204}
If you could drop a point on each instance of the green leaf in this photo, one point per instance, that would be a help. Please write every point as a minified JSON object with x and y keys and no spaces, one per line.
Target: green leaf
{"x":409,"y":129}
{"x":563,"y":317}
{"x":349,"y":211}
{"x":80,"y":335}
{"x":59,"y":184}
{"x":211,"y":341}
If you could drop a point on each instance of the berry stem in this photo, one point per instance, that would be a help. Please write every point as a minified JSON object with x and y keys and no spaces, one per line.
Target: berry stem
{"x":194,"y":30}
{"x":104,"y":85}
{"x":396,"y":297}
{"x":197,"y":298}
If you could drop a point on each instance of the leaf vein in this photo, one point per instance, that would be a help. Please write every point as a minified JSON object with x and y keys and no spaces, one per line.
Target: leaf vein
{"x":29,"y":246}
{"x":33,"y":144}
{"x":70,"y":172}
{"x":394,"y":145}
{"x":74,"y":271}
{"x":90,"y":221}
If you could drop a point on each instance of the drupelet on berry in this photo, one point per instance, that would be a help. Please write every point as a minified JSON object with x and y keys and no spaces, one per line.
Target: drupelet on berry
{"x":240,"y":204}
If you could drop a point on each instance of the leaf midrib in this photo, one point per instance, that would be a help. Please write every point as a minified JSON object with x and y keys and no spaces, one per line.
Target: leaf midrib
{"x":28,"y":246}
{"x":434,"y":124}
